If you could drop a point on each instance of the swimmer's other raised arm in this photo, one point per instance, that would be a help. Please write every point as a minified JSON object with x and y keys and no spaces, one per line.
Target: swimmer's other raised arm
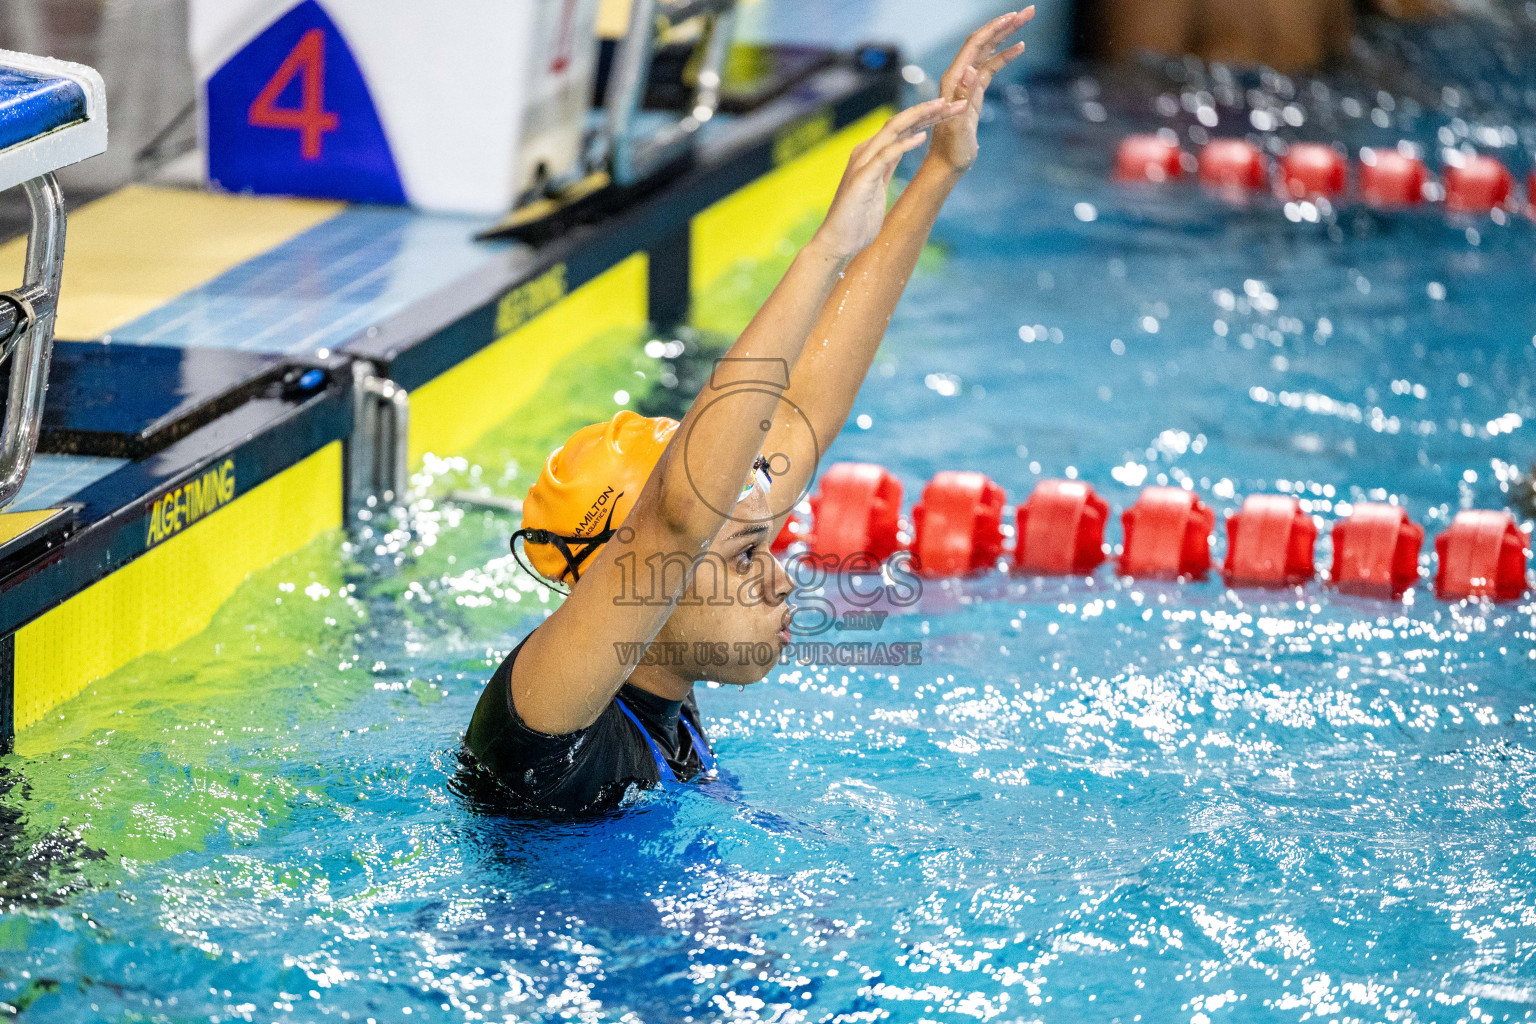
{"x":848,"y":332}
{"x":571,"y":666}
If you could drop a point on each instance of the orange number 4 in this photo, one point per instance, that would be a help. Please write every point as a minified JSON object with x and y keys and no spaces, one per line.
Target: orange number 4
{"x":310,"y":119}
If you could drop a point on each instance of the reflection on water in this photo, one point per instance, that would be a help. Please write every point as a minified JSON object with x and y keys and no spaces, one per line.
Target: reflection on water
{"x":1095,"y":799}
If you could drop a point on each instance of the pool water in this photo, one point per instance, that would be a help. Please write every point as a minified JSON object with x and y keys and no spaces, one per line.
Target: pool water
{"x":1094,"y":800}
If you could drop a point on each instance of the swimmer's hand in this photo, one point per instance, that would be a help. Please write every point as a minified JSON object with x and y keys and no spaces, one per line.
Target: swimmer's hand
{"x":954,"y":142}
{"x":858,"y":209}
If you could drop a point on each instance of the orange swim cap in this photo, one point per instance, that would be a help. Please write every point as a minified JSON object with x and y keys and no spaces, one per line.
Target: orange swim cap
{"x":588,"y":485}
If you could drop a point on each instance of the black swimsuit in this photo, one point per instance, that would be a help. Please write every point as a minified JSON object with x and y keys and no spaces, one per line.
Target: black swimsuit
{"x":639,"y":739}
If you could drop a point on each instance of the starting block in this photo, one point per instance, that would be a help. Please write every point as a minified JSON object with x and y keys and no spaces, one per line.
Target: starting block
{"x":52,"y":114}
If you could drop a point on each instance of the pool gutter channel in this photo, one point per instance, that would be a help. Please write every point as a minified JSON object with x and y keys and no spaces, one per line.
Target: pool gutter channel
{"x":257,"y":420}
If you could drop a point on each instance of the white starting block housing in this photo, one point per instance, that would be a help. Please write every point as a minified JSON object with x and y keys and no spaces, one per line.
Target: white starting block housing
{"x":459,"y":106}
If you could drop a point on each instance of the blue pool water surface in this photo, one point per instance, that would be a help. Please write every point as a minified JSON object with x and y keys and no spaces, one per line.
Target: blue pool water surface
{"x":1095,"y":800}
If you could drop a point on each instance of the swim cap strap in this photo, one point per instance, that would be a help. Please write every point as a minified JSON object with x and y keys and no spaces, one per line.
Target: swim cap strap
{"x":575,"y":550}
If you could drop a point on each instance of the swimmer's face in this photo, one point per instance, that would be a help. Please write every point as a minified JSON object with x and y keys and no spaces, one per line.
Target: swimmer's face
{"x":746,"y":609}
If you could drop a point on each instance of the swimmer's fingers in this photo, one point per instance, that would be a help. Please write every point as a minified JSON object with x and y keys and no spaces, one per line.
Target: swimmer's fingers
{"x":906,"y":146}
{"x":882,"y":162}
{"x":971,"y":90}
{"x":947,"y":110}
{"x":974,"y":83}
{"x":980,"y":48}
{"x":1000,"y":61}
{"x":988,"y":59}
{"x":914,"y":119}
{"x":905,"y":126}
{"x":886,"y":159}
{"x":970,"y":52}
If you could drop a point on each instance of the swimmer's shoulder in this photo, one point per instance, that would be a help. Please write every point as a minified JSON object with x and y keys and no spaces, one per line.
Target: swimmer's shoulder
{"x":572,"y":771}
{"x":494,"y":714}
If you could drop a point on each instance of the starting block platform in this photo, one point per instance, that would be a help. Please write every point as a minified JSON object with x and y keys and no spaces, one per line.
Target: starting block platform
{"x":214,"y":353}
{"x":52,"y":114}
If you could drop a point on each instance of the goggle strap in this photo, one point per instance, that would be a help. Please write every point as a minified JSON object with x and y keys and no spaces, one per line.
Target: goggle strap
{"x":586,"y":547}
{"x":535,"y":537}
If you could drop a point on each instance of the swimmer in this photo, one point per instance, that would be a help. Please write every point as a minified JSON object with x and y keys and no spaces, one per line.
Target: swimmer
{"x":632,"y":514}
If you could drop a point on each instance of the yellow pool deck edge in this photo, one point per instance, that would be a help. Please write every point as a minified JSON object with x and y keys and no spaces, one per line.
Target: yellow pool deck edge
{"x":171,"y":593}
{"x":457,"y":407}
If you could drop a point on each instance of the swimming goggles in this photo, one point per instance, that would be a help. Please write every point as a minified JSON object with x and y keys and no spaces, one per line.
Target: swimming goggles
{"x":760,"y":478}
{"x":575,"y":550}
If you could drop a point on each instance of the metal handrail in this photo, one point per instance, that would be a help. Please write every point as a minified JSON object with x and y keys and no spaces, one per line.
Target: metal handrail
{"x":632,"y":158}
{"x":26,"y":333}
{"x":677,"y":11}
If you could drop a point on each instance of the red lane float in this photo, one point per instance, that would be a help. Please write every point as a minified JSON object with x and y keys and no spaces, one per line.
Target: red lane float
{"x":855,"y":511}
{"x":1269,"y":543}
{"x":1479,"y":185}
{"x":957,"y":527}
{"x":1167,"y":535}
{"x":1232,"y":163}
{"x":1311,"y":169}
{"x":1483,"y":554}
{"x":1388,"y":178}
{"x":1148,"y":158}
{"x":958,"y":530}
{"x":1061,"y":530}
{"x":1376,"y":551}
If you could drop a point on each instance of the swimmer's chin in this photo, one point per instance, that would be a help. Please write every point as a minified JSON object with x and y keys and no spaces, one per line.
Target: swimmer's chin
{"x":758,"y":673}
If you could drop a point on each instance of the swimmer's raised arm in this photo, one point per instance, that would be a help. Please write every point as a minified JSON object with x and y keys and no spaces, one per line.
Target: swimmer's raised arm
{"x":847,"y":334}
{"x":571,"y":666}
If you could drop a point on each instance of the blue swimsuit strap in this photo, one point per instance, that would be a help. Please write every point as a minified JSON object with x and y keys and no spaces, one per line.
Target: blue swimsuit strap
{"x":706,"y":756}
{"x":667,"y":774}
